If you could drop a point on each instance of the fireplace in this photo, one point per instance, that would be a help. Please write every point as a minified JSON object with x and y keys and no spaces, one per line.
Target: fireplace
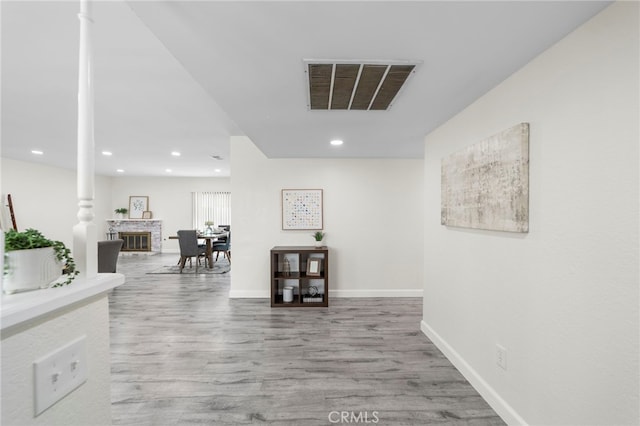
{"x":135,"y":241}
{"x":141,"y":236}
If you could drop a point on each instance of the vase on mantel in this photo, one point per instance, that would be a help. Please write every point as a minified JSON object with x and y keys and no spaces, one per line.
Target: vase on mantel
{"x":119,"y":216}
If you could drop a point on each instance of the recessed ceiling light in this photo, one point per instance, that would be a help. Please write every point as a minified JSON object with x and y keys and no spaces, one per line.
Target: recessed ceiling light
{"x":175,"y":154}
{"x":107,"y":153}
{"x":336,"y":142}
{"x":217,"y":170}
{"x":36,"y":152}
{"x":120,"y":171}
{"x":168,"y":170}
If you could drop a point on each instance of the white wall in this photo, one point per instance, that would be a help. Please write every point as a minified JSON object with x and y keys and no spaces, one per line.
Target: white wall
{"x":90,"y":404}
{"x":45,"y":198}
{"x":562,"y":299}
{"x":169,"y":200}
{"x":372,"y":219}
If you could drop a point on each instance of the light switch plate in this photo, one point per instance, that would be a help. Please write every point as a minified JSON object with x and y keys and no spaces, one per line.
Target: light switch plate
{"x":58,"y":373}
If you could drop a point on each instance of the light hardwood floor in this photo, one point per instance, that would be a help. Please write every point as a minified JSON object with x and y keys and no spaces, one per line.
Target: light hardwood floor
{"x":183,"y":353}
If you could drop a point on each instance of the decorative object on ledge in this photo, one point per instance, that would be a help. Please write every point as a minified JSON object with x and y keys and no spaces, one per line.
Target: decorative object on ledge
{"x":33,"y":261}
{"x":120,"y":212}
{"x":301,"y":209}
{"x":137,"y":206}
{"x":286,"y":268}
{"x":111,"y":235}
{"x":146,"y":215}
{"x":209,"y":227}
{"x":287,"y":294}
{"x":486,"y":186}
{"x":7,"y":214}
{"x":313,"y":295}
{"x":318,"y":236}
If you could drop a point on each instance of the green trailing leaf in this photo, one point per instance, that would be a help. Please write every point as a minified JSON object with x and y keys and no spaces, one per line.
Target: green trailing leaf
{"x":33,"y":239}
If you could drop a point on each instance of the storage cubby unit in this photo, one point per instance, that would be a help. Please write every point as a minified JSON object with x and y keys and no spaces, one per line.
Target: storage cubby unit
{"x":299,"y":274}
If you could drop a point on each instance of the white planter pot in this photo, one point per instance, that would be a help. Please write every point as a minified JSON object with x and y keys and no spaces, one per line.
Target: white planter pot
{"x":120,"y":216}
{"x":31,"y":269}
{"x":319,"y":243}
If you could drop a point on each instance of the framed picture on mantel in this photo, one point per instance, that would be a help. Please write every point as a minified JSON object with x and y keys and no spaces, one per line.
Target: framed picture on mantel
{"x":137,"y":206}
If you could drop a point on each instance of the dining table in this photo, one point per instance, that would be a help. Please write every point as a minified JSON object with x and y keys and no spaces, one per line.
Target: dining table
{"x":209,"y":240}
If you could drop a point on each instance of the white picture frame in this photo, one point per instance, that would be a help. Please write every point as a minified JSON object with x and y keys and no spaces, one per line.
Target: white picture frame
{"x":138,"y":204}
{"x":302,"y":209}
{"x":314,"y":267}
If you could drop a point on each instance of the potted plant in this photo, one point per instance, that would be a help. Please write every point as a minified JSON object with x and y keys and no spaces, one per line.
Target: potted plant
{"x":120,"y":212}
{"x":33,"y":261}
{"x":318,"y":236}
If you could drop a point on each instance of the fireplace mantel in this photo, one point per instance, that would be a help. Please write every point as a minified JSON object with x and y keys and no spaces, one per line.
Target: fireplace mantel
{"x":154,"y":226}
{"x":134,"y":220}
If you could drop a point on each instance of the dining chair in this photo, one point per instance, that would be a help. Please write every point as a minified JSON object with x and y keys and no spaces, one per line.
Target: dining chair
{"x":223,"y":246}
{"x":108,"y":252}
{"x":226,"y":228}
{"x":188,"y":240}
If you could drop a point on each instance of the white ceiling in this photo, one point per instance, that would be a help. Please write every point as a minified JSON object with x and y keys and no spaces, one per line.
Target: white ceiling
{"x":184,"y":76}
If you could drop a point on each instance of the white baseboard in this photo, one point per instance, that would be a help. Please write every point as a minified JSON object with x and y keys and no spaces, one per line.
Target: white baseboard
{"x":138,"y":253}
{"x":504,"y":410}
{"x":377,"y":293}
{"x":176,"y":251}
{"x":333,"y":293}
{"x":248,"y":294}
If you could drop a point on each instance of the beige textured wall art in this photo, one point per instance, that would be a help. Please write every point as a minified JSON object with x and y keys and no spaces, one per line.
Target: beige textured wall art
{"x":486,"y":186}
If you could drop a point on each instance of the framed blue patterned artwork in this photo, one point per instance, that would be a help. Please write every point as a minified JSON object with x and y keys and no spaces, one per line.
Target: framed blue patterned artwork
{"x":302,"y":209}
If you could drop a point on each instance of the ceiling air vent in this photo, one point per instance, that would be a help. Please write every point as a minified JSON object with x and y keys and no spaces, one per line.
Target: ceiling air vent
{"x":355,"y":85}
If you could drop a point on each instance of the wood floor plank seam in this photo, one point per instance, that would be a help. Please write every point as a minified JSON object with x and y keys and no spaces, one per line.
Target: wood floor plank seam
{"x":183,"y":353}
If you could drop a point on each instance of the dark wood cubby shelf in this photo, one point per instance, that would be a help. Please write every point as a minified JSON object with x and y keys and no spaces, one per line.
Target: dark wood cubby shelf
{"x":297,"y":277}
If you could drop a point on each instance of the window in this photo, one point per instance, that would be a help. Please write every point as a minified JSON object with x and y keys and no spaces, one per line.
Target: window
{"x":211,"y":206}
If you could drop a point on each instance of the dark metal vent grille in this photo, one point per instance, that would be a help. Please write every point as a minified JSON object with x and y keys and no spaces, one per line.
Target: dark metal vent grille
{"x":320,"y":81}
{"x":355,"y":86}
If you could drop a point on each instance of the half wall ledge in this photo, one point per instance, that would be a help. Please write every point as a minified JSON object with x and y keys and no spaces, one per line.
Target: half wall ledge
{"x":23,"y":308}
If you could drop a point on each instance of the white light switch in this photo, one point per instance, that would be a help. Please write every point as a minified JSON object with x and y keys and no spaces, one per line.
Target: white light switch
{"x":59,"y":372}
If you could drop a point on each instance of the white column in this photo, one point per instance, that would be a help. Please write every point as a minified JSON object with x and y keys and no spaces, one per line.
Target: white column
{"x":85,"y":246}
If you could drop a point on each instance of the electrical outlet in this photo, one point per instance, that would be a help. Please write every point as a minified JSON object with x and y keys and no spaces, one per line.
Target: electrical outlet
{"x":501,"y":357}
{"x":58,"y":373}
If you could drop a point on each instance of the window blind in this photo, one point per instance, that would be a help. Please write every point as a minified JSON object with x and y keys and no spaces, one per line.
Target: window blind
{"x":211,"y":206}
